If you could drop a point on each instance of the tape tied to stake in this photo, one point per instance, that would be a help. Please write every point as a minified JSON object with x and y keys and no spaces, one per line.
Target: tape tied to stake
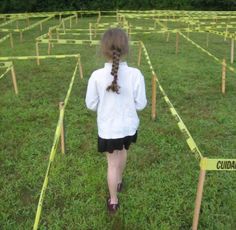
{"x":218,"y":164}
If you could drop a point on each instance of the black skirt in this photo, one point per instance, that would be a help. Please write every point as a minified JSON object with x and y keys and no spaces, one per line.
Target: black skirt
{"x":109,"y":145}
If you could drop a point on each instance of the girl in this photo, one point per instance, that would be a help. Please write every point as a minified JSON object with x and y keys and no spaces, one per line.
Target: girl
{"x":116,"y":92}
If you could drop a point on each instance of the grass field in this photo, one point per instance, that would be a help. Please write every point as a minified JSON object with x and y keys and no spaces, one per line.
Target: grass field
{"x":161,"y":175}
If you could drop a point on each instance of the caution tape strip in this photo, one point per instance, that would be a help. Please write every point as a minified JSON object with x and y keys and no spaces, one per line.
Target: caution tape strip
{"x":218,"y":164}
{"x":37,"y":23}
{"x":5,"y":38}
{"x":207,"y":52}
{"x":74,"y":41}
{"x":226,"y":35}
{"x":7,"y":70}
{"x":6,"y":64}
{"x":7,"y":22}
{"x":190,"y":141}
{"x":40,"y":57}
{"x":53,"y":151}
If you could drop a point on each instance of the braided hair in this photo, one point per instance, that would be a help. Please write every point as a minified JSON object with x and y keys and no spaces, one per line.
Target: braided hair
{"x":114,"y":87}
{"x":114,"y":45}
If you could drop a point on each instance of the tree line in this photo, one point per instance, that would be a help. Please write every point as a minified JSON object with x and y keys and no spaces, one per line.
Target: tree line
{"x":16,"y":6}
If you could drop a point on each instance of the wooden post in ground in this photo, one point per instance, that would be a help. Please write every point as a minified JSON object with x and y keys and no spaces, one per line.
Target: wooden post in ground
{"x":13,"y":74}
{"x":207,"y":39}
{"x":155,"y":24}
{"x":226,"y":33}
{"x":139,"y":53}
{"x":59,"y":17}
{"x":17,"y":24}
{"x":70,"y":22}
{"x":61,"y":106}
{"x":154,"y":97}
{"x":37,"y":53}
{"x":49,"y":43}
{"x":41,"y":26}
{"x":11,"y":41}
{"x":76,"y":18}
{"x":223,"y":76}
{"x":198,"y":200}
{"x":57,"y":33}
{"x":177,"y":43}
{"x":90,"y":31}
{"x":28,"y":21}
{"x":168,"y":37}
{"x":21,"y":36}
{"x":63,"y":26}
{"x":232,"y":51}
{"x":80,"y":69}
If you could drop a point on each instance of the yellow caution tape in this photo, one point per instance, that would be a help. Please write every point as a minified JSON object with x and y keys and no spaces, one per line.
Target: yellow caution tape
{"x":53,"y":151}
{"x":7,"y":22}
{"x":6,"y":64}
{"x":208,"y":53}
{"x":39,"y":57}
{"x":218,"y":164}
{"x":37,"y":23}
{"x":6,"y":71}
{"x":191,"y":143}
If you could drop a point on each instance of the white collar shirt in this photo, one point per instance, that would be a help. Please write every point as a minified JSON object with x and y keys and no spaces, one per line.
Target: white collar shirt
{"x":116,"y":113}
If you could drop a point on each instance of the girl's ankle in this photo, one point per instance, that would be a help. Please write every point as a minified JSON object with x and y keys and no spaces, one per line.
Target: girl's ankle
{"x":114,"y":201}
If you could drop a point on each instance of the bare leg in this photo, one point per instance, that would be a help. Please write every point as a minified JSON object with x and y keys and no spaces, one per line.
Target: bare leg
{"x":112,"y":175}
{"x":122,"y":163}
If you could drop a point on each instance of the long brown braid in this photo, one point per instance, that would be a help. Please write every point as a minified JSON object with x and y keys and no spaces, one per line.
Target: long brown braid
{"x":114,"y":45}
{"x":114,"y":87}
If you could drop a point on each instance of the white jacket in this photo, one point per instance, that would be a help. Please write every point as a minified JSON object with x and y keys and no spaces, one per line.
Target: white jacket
{"x":116,"y":113}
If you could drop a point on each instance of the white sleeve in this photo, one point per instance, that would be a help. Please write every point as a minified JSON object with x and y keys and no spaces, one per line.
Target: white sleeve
{"x":140,"y":93}
{"x":92,"y":97}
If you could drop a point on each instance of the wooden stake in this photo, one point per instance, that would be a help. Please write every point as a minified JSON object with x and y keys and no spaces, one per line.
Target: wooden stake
{"x":76,"y":18}
{"x":28,"y":21}
{"x":21,"y":36}
{"x":129,"y":31}
{"x":59,"y":17}
{"x":139,"y":53}
{"x":70,"y":22}
{"x":177,"y":43}
{"x":223,"y":76}
{"x":13,"y":74}
{"x":57,"y":34}
{"x":17,"y":24}
{"x":37,"y":53}
{"x":63,"y":26}
{"x":90,"y":31}
{"x":232,"y":51}
{"x":155,"y":24}
{"x":61,"y":106}
{"x":198,"y":198}
{"x":154,"y":97}
{"x":41,"y":27}
{"x":226,"y":33}
{"x":117,"y":18}
{"x":49,"y":44}
{"x":80,"y":69}
{"x":11,"y":41}
{"x":168,"y":37}
{"x":207,"y":39}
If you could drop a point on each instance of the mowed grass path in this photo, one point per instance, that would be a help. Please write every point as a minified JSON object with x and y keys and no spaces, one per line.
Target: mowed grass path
{"x":161,"y":175}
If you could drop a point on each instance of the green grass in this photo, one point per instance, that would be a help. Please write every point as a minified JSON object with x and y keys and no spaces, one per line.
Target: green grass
{"x":161,"y":175}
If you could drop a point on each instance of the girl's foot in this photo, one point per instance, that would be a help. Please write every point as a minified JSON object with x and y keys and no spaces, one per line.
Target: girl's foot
{"x":112,"y":208}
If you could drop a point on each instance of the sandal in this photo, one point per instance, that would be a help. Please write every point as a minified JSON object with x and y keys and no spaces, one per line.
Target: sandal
{"x":112,"y":208}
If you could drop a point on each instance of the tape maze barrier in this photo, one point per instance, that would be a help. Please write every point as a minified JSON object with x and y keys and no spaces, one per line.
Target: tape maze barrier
{"x":8,"y":66}
{"x":194,"y":23}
